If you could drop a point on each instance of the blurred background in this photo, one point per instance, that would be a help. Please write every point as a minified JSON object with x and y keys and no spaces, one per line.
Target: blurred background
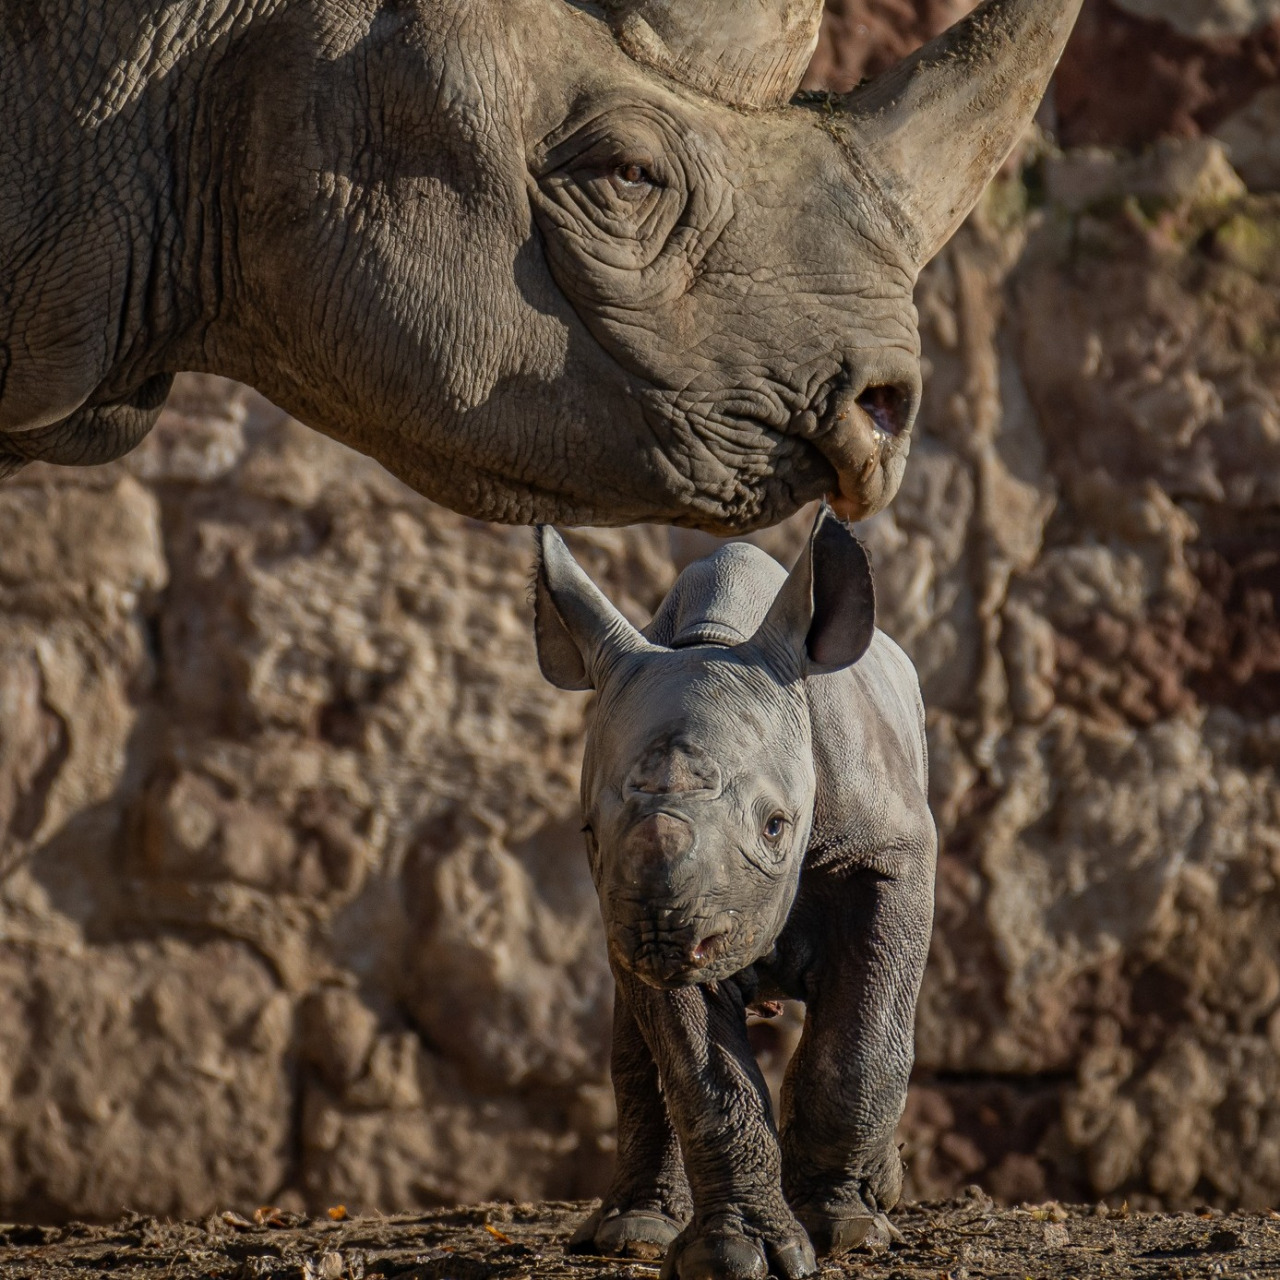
{"x":294,"y":907}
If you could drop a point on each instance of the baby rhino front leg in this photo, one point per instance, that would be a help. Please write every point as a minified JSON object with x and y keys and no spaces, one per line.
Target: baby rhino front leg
{"x":648,"y":1201}
{"x":742,"y":1228}
{"x":847,"y":1083}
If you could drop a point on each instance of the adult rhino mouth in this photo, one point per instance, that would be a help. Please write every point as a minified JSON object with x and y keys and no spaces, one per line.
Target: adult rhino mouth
{"x":847,"y":445}
{"x":865,"y":437}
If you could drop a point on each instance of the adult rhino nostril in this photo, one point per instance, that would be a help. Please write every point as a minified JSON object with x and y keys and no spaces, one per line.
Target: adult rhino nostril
{"x":887,"y":407}
{"x":709,"y":948}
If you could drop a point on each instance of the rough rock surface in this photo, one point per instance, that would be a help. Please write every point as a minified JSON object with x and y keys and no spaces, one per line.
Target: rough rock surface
{"x":293,"y":903}
{"x":861,"y":38}
{"x":1106,"y":760}
{"x":295,"y":897}
{"x":1171,"y":68}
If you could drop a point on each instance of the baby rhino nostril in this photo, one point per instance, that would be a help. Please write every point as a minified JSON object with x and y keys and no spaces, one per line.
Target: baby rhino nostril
{"x":887,"y":407}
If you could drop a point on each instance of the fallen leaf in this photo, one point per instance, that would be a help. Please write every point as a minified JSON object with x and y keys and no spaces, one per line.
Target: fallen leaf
{"x":1051,"y":1211}
{"x":271,"y":1215}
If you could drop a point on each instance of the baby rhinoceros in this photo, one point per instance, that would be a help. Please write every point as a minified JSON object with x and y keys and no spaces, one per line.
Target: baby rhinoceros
{"x":757,"y":827}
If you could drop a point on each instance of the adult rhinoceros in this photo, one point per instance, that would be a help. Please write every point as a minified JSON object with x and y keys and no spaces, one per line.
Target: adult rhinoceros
{"x":544,"y":260}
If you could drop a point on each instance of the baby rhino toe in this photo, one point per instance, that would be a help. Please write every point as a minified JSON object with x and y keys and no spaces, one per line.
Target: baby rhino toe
{"x":836,"y":1233}
{"x":721,"y":1256}
{"x":726,"y":1252}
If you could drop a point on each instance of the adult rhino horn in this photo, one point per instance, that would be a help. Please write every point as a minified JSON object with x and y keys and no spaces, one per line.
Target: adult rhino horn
{"x":748,"y":53}
{"x":934,"y":130}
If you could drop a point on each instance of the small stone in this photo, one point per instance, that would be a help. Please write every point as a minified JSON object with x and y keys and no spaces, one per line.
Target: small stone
{"x":328,"y":1266}
{"x":1225,"y":1241}
{"x":1055,"y":1235}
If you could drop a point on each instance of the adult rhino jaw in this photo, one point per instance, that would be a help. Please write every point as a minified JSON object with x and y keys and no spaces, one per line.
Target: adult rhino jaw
{"x":543,"y":259}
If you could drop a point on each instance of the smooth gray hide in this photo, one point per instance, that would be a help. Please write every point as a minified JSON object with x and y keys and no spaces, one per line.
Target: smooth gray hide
{"x":758,"y":827}
{"x":543,"y":259}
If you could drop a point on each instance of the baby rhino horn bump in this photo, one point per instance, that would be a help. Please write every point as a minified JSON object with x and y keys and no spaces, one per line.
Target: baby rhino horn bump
{"x":667,"y":771}
{"x":660,"y":838}
{"x":748,"y":53}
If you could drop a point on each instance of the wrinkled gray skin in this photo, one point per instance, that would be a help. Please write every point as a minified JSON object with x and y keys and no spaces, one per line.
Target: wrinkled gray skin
{"x":478,"y":240}
{"x":758,"y":828}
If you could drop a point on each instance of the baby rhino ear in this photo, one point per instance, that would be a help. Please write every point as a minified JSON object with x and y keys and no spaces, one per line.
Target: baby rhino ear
{"x":577,"y":631}
{"x":826,"y":610}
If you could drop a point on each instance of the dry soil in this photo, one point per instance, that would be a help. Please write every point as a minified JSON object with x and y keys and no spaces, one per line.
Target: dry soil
{"x":965,"y":1239}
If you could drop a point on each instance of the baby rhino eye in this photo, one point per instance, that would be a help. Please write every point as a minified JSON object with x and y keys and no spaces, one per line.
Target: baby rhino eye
{"x":774,"y":826}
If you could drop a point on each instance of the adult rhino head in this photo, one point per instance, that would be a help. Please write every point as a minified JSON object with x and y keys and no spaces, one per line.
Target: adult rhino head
{"x":545,"y":261}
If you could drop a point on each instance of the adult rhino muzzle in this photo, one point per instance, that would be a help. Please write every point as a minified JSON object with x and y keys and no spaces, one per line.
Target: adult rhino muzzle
{"x":865,"y":436}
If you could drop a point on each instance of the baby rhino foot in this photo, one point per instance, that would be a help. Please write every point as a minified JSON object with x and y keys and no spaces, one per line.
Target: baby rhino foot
{"x":726,"y":1248}
{"x":843,"y":1230}
{"x":849,"y":1214}
{"x":626,"y":1233}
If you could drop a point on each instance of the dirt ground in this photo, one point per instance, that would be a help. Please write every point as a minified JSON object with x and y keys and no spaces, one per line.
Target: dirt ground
{"x":964,"y":1239}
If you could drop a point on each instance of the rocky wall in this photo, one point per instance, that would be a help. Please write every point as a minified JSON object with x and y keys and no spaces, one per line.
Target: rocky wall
{"x":294,"y":899}
{"x":293,"y":906}
{"x":1097,"y":631}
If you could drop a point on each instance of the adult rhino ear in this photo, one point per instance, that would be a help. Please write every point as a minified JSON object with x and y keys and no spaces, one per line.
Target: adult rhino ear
{"x":579,"y":634}
{"x":825,"y":613}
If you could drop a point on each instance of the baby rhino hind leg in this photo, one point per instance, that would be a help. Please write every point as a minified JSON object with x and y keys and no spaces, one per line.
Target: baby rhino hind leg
{"x":648,"y":1202}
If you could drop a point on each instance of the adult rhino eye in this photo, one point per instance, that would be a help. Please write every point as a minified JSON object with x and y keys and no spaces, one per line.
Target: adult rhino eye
{"x":774,"y":826}
{"x":633,"y":178}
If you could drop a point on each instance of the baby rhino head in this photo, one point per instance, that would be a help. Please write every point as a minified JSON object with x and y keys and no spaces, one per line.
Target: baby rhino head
{"x":698,"y":781}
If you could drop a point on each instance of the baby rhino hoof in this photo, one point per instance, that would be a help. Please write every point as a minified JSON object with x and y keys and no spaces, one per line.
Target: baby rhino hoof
{"x":636,"y":1233}
{"x":727,"y":1254}
{"x":834,"y":1234}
